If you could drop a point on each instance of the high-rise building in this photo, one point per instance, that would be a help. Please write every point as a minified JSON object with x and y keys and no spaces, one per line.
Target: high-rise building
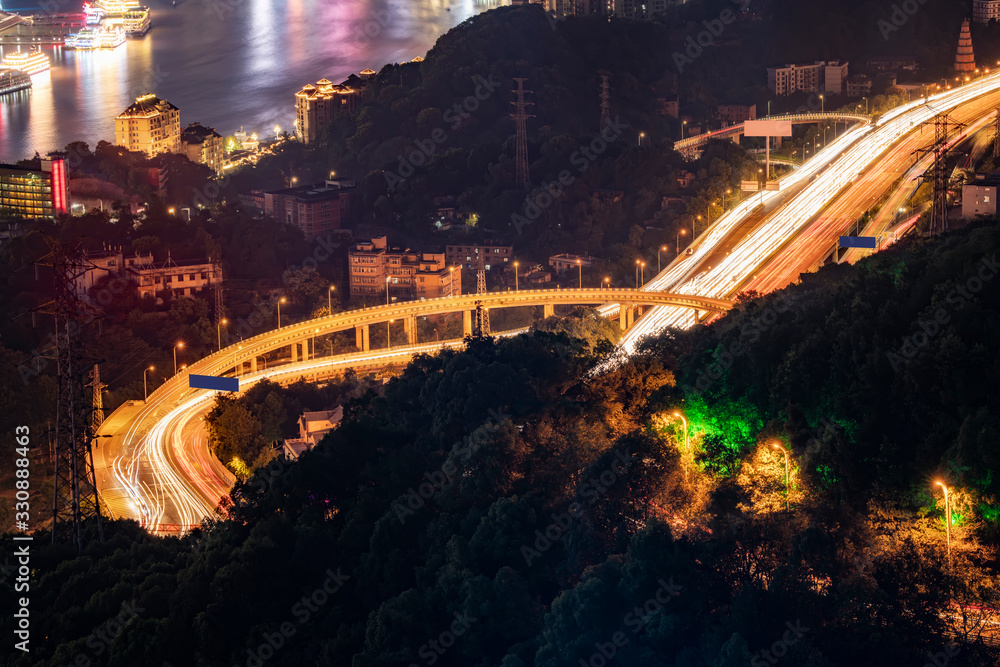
{"x":150,"y":125}
{"x":35,"y":193}
{"x":965,"y":59}
{"x":495,"y":255}
{"x":821,"y":76}
{"x":204,"y":145}
{"x":317,"y":104}
{"x":374,"y":265}
{"x":984,"y":11}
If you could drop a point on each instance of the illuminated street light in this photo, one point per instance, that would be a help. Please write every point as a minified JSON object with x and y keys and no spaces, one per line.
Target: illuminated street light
{"x":683,"y":123}
{"x":280,"y":301}
{"x":777,"y":445}
{"x":388,"y":334}
{"x":451,"y":279}
{"x":180,"y":345}
{"x":681,"y":233}
{"x":329,"y":296}
{"x":515,"y":275}
{"x":607,"y":282}
{"x":662,"y":248}
{"x":642,"y":272}
{"x":947,"y":516}
{"x":637,"y":274}
{"x":388,"y":279}
{"x":144,"y":393}
{"x":170,"y":210}
{"x":218,"y":330}
{"x":642,"y":135}
{"x":579,"y":265}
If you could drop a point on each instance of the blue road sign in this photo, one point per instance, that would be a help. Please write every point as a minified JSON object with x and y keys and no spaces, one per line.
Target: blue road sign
{"x":213,"y":382}
{"x":858,"y":242}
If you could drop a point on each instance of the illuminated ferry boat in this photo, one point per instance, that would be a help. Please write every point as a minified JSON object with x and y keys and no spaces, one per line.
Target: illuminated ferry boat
{"x":94,"y":14}
{"x":12,"y":80}
{"x":89,"y":39}
{"x":33,"y":62}
{"x":136,"y":22}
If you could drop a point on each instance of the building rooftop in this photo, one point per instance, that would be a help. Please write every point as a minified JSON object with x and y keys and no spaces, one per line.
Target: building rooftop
{"x":147,"y":106}
{"x":196,"y":133}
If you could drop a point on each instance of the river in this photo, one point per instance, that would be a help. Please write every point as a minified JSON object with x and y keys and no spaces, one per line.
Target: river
{"x":224,"y":63}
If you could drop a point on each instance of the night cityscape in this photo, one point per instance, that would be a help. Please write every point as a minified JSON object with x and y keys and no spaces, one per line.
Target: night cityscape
{"x":499,"y":333}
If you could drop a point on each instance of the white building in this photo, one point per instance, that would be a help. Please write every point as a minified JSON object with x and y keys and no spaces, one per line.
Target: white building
{"x":313,"y":427}
{"x":979,"y":197}
{"x":984,"y":11}
{"x":821,"y":76}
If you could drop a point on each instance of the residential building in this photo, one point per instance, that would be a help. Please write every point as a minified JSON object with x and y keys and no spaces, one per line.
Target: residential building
{"x":734,"y":114}
{"x":495,"y":255}
{"x":886,"y":63}
{"x":317,"y":104}
{"x":110,"y":261}
{"x":374,"y":267}
{"x":35,"y":193}
{"x":315,"y":209}
{"x":965,"y":58}
{"x":859,"y":85}
{"x":639,"y":9}
{"x":150,"y":125}
{"x":984,"y":11}
{"x":979,"y":197}
{"x":821,"y":76}
{"x":313,"y":427}
{"x":566,"y":261}
{"x":204,"y":145}
{"x":184,"y":279}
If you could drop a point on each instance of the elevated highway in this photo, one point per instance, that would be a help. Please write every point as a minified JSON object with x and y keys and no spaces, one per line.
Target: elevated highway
{"x":690,"y":145}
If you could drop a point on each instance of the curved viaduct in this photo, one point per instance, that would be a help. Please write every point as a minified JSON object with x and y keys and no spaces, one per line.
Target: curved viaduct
{"x":243,"y":356}
{"x":691,"y":144}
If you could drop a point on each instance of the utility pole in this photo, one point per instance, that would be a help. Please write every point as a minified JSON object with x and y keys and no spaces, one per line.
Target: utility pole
{"x":521,"y":117}
{"x":939,"y":172}
{"x":482,"y":313}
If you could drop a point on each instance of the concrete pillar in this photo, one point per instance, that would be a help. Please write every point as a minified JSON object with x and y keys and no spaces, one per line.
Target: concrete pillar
{"x":361,"y":338}
{"x":295,"y":352}
{"x":777,"y":142}
{"x":736,"y":139}
{"x":410,"y":327}
{"x":629,"y":315}
{"x":621,"y":317}
{"x":548,"y":310}
{"x":253,"y":365}
{"x":466,"y":323}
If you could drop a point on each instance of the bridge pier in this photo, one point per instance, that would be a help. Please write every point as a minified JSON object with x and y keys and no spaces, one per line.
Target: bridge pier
{"x":295,"y":351}
{"x":466,"y":323}
{"x":361,"y":338}
{"x":253,"y":364}
{"x":626,"y":316}
{"x":410,"y":328}
{"x":548,"y":310}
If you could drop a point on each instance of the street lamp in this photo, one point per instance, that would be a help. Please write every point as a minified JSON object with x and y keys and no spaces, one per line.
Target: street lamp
{"x":607,"y":282}
{"x":280,"y":301}
{"x":329,"y":298}
{"x":218,"y":330}
{"x":642,"y":272}
{"x":451,"y":278}
{"x":388,"y":334}
{"x":642,"y":135}
{"x":388,"y":279}
{"x":947,"y":516}
{"x":662,"y":248}
{"x":145,"y":370}
{"x":637,"y":274}
{"x":579,"y":265}
{"x":778,"y":446}
{"x":515,"y":275}
{"x":822,"y":104}
{"x":180,"y":344}
{"x":681,"y":233}
{"x":683,"y":123}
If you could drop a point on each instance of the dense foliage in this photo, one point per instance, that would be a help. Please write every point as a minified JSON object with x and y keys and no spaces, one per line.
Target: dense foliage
{"x":504,"y":505}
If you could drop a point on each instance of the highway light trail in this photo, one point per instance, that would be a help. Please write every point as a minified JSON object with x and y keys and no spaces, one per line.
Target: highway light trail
{"x":830,"y":171}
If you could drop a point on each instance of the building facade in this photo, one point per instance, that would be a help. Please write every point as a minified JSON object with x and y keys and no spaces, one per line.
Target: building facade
{"x":821,"y":76}
{"x":184,"y":279}
{"x":315,"y":209}
{"x":374,"y":267}
{"x":35,"y":193}
{"x":734,"y":114}
{"x":205,"y":146}
{"x":566,"y":261}
{"x":149,"y":125}
{"x":984,"y":11}
{"x":495,"y":255}
{"x":317,"y":104}
{"x":859,"y":85}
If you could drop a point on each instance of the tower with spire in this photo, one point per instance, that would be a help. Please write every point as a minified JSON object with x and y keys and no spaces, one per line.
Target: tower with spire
{"x":965,"y":59}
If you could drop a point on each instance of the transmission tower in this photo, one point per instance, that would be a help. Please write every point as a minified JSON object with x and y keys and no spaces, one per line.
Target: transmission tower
{"x":97,"y":404}
{"x":521,"y":117}
{"x":605,"y":102}
{"x":75,"y":490}
{"x":939,"y":172}
{"x":482,"y":313}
